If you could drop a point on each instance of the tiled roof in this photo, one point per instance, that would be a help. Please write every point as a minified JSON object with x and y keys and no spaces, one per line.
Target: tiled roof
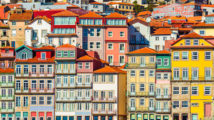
{"x":36,"y":60}
{"x":195,"y":18}
{"x":205,"y":5}
{"x":7,"y":70}
{"x":2,"y":25}
{"x":91,"y":15}
{"x":7,"y":47}
{"x":11,"y":6}
{"x":66,"y":46}
{"x":65,"y":13}
{"x":85,"y":58}
{"x":178,"y":17}
{"x":108,"y":69}
{"x":211,"y":15}
{"x":121,"y":3}
{"x":159,"y":24}
{"x":144,"y":13}
{"x":60,"y":3}
{"x":184,"y":29}
{"x":26,"y":15}
{"x":103,"y":61}
{"x":95,"y":3}
{"x":203,"y":25}
{"x":115,"y":15}
{"x":144,"y":50}
{"x":47,"y":13}
{"x":46,"y":48}
{"x":48,"y":20}
{"x":28,"y":28}
{"x":162,"y":31}
{"x":163,"y":52}
{"x":192,"y":35}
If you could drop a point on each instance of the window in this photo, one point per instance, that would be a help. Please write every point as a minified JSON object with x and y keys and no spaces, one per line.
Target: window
{"x":43,"y":56}
{"x":176,"y":73}
{"x":133,"y":59}
{"x":122,"y":47}
{"x":184,"y":103}
{"x":187,"y":42}
{"x":151,"y":73}
{"x":87,"y":65}
{"x":202,"y":32}
{"x":141,"y":102}
{"x":157,"y":47}
{"x":13,"y":32}
{"x":110,"y":34}
{"x":98,"y":44}
{"x":176,"y":55}
{"x":49,"y":100}
{"x":13,"y":22}
{"x":175,"y":90}
{"x":3,"y":79}
{"x":159,"y":61}
{"x":25,"y":84}
{"x":207,"y":90}
{"x":195,"y":42}
{"x":50,"y":41}
{"x":18,"y":101}
{"x":164,"y":38}
{"x":103,"y":78}
{"x":158,"y":76}
{"x":156,"y":38}
{"x":79,"y":65}
{"x":91,"y":44}
{"x":184,"y":55}
{"x":50,"y":69}
{"x":142,"y":87}
{"x":194,"y":90}
{"x":41,"y":85}
{"x":207,"y":73}
{"x":165,"y":76}
{"x":10,"y":79}
{"x":132,"y":73}
{"x":194,"y":73}
{"x":98,"y":31}
{"x":185,"y":73}
{"x":18,"y":69}
{"x":42,"y":69}
{"x":194,"y":55}
{"x":207,"y":55}
{"x":25,"y":69}
{"x":41,"y":100}
{"x":111,"y":78}
{"x":59,"y":53}
{"x":142,"y":73}
{"x":92,"y":32}
{"x":33,"y":69}
{"x":184,"y":90}
{"x":151,"y":59}
{"x":132,"y":87}
{"x":122,"y":34}
{"x":65,"y":53}
{"x":110,"y":60}
{"x":25,"y":102}
{"x":18,"y":85}
{"x":175,"y":104}
{"x":72,"y":53}
{"x":110,"y":46}
{"x":60,"y":41}
{"x":33,"y":100}
{"x":33,"y":84}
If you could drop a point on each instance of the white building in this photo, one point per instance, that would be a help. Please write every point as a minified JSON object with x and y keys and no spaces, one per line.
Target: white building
{"x":60,"y":39}
{"x":37,"y":31}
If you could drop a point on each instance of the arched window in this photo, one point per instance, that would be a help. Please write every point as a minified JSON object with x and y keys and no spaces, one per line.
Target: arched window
{"x":24,"y":55}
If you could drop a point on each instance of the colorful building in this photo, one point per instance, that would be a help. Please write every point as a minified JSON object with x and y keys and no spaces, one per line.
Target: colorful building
{"x":116,"y":39}
{"x":109,"y":89}
{"x":192,"y":71}
{"x":141,"y":69}
{"x":34,"y":83}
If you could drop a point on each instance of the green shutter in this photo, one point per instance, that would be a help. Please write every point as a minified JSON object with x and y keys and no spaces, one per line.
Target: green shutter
{"x":145,"y":116}
{"x":18,"y":114}
{"x":151,"y":116}
{"x":10,"y":115}
{"x":158,"y":117}
{"x":132,"y":116}
{"x":25,"y":114}
{"x":3,"y":115}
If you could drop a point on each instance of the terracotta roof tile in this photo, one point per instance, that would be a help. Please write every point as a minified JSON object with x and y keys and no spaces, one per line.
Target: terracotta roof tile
{"x":108,"y":69}
{"x":2,"y":25}
{"x":7,"y":70}
{"x":104,"y":62}
{"x":36,"y":60}
{"x":61,"y":3}
{"x":48,"y":20}
{"x":163,"y":52}
{"x":85,"y":58}
{"x":203,"y":25}
{"x":162,"y":31}
{"x":46,"y":48}
{"x":115,"y":15}
{"x":65,"y":13}
{"x":7,"y":47}
{"x":121,"y":3}
{"x":26,"y":15}
{"x":144,"y":50}
{"x":66,"y":46}
{"x":205,"y":5}
{"x":91,"y":15}
{"x":192,"y":35}
{"x":144,"y":13}
{"x":28,"y":28}
{"x":11,"y":6}
{"x":211,"y":15}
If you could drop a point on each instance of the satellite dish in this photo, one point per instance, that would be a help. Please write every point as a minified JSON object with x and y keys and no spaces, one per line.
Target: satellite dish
{"x":148,"y":19}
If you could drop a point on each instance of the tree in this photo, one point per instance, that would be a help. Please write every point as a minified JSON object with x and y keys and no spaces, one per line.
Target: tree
{"x":137,"y":7}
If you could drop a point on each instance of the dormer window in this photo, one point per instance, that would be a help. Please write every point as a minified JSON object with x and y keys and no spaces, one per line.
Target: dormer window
{"x":7,"y":51}
{"x":24,"y":56}
{"x":187,"y":42}
{"x":39,"y":21}
{"x":43,"y":56}
{"x":195,"y":42}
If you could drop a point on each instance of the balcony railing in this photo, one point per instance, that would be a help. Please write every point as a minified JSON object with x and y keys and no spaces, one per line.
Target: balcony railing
{"x":6,"y":110}
{"x":143,"y":109}
{"x":76,"y":85}
{"x":7,"y":84}
{"x":7,"y":97}
{"x":192,"y":79}
{"x":38,"y":90}
{"x":104,"y":112}
{"x":141,"y":93}
{"x":30,"y":74}
{"x":162,"y":96}
{"x":73,"y":99}
{"x":135,"y":65}
{"x":162,"y":110}
{"x":104,"y":99}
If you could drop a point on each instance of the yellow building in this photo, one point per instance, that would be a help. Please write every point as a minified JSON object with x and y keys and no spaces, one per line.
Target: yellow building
{"x":204,"y":29}
{"x":141,"y":84}
{"x":192,"y":81}
{"x":122,"y":7}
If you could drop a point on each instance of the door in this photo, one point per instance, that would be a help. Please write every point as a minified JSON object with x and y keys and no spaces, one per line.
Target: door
{"x":194,"y":117}
{"x":87,"y":118}
{"x":207,"y":111}
{"x":95,"y":117}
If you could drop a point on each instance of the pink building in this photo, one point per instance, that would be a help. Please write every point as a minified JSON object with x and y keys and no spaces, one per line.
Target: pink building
{"x":116,"y":39}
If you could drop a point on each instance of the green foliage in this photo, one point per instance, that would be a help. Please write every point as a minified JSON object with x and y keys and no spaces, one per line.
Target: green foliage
{"x":137,"y":7}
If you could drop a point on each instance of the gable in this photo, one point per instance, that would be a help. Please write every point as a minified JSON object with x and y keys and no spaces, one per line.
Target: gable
{"x":201,"y":42}
{"x":21,"y":51}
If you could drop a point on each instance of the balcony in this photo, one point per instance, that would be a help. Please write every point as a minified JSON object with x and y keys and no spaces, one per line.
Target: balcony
{"x":103,"y":112}
{"x":162,"y":110}
{"x":83,"y":85}
{"x":30,"y":74}
{"x":106,"y":99}
{"x":7,"y":84}
{"x":163,"y":97}
{"x":7,"y":110}
{"x":12,"y":97}
{"x":136,"y":65}
{"x":192,"y":79}
{"x":45,"y":90}
{"x":141,"y":94}
{"x":139,"y":109}
{"x":73,"y":99}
